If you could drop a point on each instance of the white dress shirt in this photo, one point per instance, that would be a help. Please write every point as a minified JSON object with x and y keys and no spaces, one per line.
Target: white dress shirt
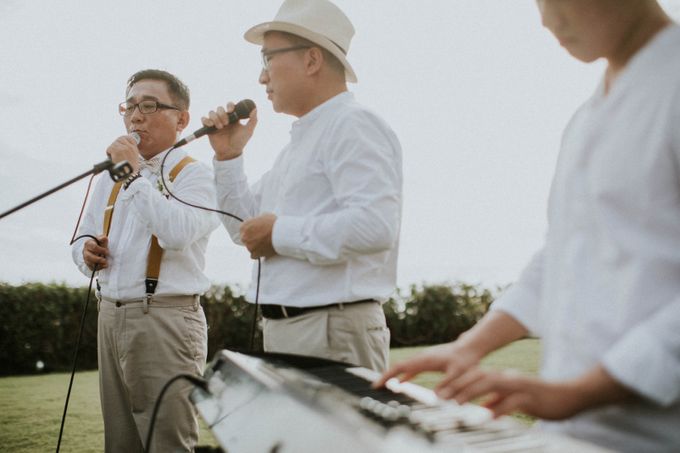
{"x":142,"y":210}
{"x":605,"y":288}
{"x":336,"y":191}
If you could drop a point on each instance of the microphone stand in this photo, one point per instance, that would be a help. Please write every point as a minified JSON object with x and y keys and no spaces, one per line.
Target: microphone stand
{"x":118,"y":172}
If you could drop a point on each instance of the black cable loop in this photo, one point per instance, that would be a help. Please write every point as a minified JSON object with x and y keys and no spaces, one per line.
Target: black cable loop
{"x":259,"y":261}
{"x":75,"y":355}
{"x":82,"y":319}
{"x":82,"y":209}
{"x":197,"y":381}
{"x":167,"y":189}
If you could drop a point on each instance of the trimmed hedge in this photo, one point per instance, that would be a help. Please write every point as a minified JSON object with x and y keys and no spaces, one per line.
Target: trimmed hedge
{"x":435,"y":314}
{"x":39,"y":323}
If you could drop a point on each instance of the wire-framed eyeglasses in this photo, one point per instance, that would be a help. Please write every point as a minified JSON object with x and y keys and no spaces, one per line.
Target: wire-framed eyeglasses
{"x":146,"y":107}
{"x":267,"y":54}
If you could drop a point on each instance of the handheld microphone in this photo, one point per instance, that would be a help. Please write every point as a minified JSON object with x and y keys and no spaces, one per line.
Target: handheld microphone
{"x":122,"y":169}
{"x":241,"y":111}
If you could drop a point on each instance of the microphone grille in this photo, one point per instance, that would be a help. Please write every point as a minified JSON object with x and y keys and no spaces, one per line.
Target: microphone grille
{"x":243,"y":108}
{"x":135,"y":136}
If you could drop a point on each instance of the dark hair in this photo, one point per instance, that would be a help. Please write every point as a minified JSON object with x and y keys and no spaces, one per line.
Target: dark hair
{"x":179,"y":92}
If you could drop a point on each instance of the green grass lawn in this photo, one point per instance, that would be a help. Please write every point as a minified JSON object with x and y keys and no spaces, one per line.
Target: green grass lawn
{"x":31,"y":407}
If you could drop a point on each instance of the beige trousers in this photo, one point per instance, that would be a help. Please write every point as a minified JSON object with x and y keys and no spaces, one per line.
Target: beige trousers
{"x":353,"y":333}
{"x":138,"y":353}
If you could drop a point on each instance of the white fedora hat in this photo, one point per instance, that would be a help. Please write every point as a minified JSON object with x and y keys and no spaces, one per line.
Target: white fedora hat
{"x":319,"y":21}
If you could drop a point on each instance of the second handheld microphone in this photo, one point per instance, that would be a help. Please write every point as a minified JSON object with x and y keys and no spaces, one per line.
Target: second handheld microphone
{"x":241,"y":111}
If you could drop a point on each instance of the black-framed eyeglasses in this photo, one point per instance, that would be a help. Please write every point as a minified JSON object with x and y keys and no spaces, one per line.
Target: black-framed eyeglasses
{"x":267,"y":54}
{"x":146,"y":107}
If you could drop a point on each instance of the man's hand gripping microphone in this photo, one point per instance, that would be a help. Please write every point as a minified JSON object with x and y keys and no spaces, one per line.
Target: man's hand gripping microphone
{"x":118,"y":171}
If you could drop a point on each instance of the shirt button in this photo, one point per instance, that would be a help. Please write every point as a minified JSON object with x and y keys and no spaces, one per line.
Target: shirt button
{"x":118,"y":304}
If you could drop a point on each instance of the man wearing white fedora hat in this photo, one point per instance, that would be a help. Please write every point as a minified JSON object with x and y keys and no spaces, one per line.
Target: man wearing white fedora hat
{"x":326,"y":218}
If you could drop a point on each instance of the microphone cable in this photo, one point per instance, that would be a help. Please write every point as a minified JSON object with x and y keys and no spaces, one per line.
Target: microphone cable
{"x":197,"y":381}
{"x":228,"y":214}
{"x":75,"y":355}
{"x":82,"y":318}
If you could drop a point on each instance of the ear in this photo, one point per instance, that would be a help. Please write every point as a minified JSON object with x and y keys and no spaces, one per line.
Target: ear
{"x":314,"y":60}
{"x":183,"y":120}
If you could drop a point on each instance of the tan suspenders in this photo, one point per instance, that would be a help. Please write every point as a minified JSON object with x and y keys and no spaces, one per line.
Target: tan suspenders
{"x":108,"y":212}
{"x":153,"y":262}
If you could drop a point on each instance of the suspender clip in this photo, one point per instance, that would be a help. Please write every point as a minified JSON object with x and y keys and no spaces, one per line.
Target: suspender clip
{"x":150,"y":284}
{"x":147,"y":300}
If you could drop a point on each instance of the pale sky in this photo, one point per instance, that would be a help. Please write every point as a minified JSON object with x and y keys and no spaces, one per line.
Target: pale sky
{"x":476,"y":90}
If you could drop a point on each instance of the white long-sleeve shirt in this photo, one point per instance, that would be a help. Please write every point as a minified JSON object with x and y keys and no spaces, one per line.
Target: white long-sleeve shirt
{"x":141,"y":211}
{"x":336,"y":189}
{"x":605,"y":288}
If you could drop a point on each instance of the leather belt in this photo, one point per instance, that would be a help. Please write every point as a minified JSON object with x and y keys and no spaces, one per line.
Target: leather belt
{"x":156,"y":301}
{"x":271,"y":311}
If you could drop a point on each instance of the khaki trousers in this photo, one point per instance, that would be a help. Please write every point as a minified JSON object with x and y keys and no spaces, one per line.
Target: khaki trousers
{"x":353,"y":333}
{"x":139,"y":350}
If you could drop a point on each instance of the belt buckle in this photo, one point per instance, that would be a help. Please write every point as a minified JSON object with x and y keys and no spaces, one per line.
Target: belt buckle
{"x":284,"y":311}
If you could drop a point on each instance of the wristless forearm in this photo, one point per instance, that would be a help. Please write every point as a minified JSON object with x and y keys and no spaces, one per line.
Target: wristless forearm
{"x":597,"y":388}
{"x":495,"y":330}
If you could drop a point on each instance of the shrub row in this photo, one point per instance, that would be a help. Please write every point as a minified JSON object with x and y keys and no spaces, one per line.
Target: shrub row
{"x":435,"y":314}
{"x":39,"y":323}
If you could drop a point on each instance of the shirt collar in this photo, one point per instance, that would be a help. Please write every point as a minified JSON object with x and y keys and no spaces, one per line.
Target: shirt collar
{"x":641,"y":61}
{"x":318,"y":111}
{"x":154,"y":164}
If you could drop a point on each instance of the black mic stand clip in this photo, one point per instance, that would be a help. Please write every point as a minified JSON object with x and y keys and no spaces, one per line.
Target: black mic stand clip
{"x":118,"y":172}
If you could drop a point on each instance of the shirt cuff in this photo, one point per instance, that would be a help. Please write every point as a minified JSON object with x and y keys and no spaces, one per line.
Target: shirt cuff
{"x":77,"y":254}
{"x":225,"y":168}
{"x":642,"y":363}
{"x":287,"y":236}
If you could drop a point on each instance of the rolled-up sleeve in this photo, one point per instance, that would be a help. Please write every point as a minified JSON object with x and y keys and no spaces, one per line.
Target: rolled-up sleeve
{"x":522,"y":300}
{"x":647,"y":359}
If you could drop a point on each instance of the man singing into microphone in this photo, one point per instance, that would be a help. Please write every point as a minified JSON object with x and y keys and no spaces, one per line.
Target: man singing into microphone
{"x":150,"y":257}
{"x":325,"y":219}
